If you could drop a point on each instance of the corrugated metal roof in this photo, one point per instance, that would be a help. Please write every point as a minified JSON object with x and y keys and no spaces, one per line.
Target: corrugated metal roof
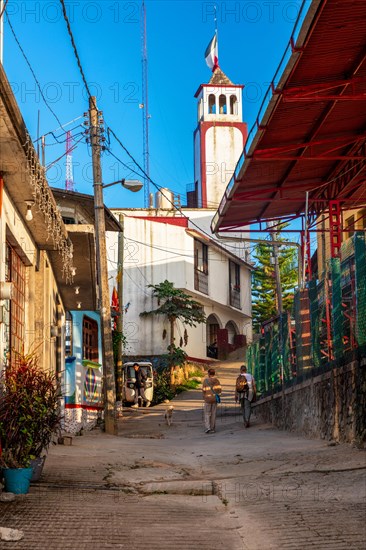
{"x":310,"y":134}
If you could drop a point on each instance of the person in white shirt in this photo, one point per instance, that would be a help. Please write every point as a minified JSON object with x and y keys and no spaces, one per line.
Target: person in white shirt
{"x":244,"y":393}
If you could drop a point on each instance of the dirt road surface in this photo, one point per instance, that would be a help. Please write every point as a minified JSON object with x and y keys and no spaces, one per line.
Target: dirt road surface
{"x":160,"y":487}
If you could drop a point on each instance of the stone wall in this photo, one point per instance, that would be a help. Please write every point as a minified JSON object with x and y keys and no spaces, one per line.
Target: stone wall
{"x":330,"y":406}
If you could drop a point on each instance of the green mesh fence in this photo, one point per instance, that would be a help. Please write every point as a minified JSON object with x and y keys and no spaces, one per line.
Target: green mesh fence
{"x":329,"y":318}
{"x":250,"y":359}
{"x":315,"y":323}
{"x":254,"y":366}
{"x":268,"y":361}
{"x":276,"y":359}
{"x":262,"y":365}
{"x":285,"y":345}
{"x":298,"y":335}
{"x":360,"y":280}
{"x":337,"y":311}
{"x":348,"y":249}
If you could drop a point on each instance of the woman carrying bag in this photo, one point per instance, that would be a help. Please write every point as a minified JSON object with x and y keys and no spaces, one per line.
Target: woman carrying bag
{"x":211,"y":390}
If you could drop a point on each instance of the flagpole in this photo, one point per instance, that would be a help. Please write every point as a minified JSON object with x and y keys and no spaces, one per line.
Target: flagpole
{"x":216,"y":31}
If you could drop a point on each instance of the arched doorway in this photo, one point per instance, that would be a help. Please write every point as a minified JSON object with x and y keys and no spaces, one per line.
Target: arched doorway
{"x":232,"y":331}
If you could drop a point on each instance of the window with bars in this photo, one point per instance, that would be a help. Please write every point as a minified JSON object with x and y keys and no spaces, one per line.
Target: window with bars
{"x":90,"y":339}
{"x":15,"y":308}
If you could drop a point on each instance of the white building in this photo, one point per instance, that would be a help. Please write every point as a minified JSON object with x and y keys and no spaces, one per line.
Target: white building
{"x":162,"y":244}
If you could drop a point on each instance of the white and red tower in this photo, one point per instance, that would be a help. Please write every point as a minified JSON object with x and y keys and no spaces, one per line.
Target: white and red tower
{"x":218,"y":139}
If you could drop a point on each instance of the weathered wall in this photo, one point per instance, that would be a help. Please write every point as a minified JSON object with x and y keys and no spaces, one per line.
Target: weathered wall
{"x":330,"y":406}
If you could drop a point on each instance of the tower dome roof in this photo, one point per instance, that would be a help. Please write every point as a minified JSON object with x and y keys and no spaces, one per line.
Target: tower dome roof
{"x":219,"y":78}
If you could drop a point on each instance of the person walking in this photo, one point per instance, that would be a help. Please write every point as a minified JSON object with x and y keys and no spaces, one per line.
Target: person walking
{"x":245,"y":391}
{"x":211,"y":391}
{"x":140,"y":384}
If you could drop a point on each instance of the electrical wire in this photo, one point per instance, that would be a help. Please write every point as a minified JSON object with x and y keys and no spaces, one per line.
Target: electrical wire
{"x":60,"y":142}
{"x":159,"y":188}
{"x":75,"y":49}
{"x":32,"y":71}
{"x":52,"y":132}
{"x":115,"y":136}
{"x":66,"y":153}
{"x":123,"y":163}
{"x":174,"y":251}
{"x":4,"y":8}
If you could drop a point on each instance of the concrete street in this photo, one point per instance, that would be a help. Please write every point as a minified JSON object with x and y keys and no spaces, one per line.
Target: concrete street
{"x":160,"y":487}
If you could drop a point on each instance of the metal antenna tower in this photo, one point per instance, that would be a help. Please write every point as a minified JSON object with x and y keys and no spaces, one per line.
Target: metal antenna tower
{"x":145,"y":108}
{"x":69,"y":182}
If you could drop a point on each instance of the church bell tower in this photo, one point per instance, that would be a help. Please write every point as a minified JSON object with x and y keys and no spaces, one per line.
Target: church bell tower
{"x":218,"y":139}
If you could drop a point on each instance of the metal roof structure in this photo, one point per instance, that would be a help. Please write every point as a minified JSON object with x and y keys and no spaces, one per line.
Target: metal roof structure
{"x":309,"y":139}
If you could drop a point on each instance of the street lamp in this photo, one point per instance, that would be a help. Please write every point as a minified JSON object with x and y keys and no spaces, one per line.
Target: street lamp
{"x":131,"y":185}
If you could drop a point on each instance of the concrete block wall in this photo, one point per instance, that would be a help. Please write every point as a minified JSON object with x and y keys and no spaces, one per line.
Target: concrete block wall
{"x":330,"y":406}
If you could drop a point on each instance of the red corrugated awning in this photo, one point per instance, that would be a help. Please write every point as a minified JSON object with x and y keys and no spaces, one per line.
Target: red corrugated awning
{"x":310,"y":134}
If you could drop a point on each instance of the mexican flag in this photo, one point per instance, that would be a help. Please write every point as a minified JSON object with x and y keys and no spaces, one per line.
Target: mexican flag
{"x":212,"y":54}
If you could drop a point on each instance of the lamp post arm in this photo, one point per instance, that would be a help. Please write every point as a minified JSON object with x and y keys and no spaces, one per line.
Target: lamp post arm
{"x":113,"y":183}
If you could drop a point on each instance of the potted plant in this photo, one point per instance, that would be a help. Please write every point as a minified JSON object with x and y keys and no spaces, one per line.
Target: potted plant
{"x":29,"y":415}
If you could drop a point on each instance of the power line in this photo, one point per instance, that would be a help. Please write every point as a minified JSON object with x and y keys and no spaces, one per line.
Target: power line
{"x":175,"y":251}
{"x":123,"y":163}
{"x":146,"y":175}
{"x":64,"y":154}
{"x":159,"y":188}
{"x":32,"y":71}
{"x":4,"y":7}
{"x":52,"y":132}
{"x":74,"y":47}
{"x":58,"y":141}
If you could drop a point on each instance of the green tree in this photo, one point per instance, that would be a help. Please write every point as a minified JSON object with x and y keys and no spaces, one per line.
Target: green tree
{"x":175,"y":304}
{"x":264,"y":282}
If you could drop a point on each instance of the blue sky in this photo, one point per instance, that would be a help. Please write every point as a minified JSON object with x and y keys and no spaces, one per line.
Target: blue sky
{"x":252,"y":39}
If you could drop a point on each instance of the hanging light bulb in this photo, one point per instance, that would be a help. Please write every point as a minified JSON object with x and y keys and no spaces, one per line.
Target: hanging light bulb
{"x":29,"y":215}
{"x":77,"y":290}
{"x":79,"y":305}
{"x":73,"y":271}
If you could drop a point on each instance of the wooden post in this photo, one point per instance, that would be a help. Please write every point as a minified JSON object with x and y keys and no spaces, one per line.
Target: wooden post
{"x":102,"y":273}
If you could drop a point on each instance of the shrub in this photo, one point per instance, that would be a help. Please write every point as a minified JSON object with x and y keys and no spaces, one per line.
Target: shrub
{"x":29,"y":411}
{"x":162,"y":387}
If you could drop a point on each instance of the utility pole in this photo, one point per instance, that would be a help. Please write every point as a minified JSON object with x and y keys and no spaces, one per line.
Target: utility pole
{"x":109,"y":388}
{"x":121,"y":244}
